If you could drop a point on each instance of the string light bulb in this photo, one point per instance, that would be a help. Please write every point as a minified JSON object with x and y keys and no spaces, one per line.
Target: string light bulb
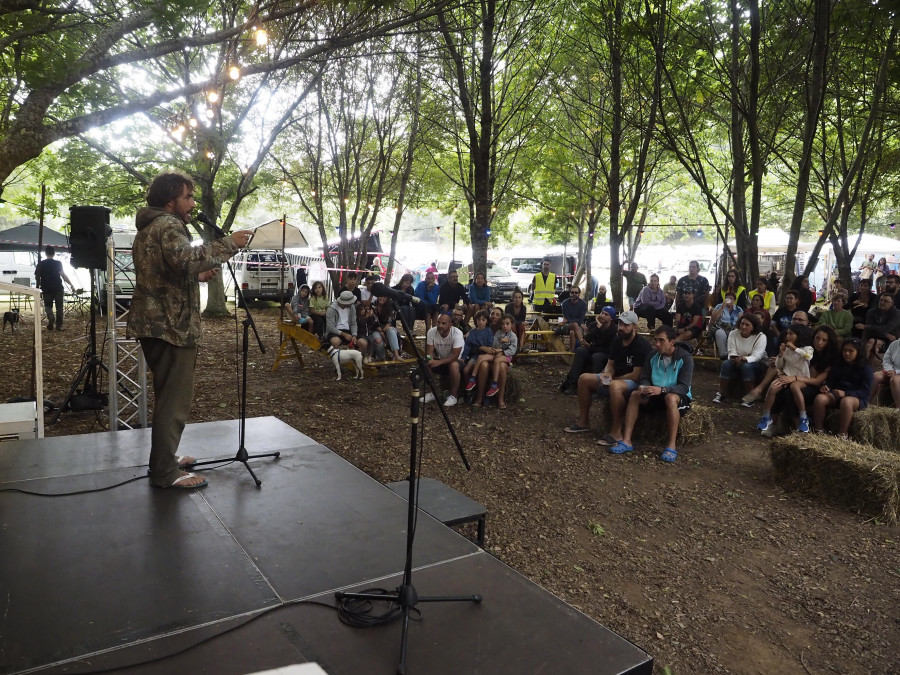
{"x":262,"y":39}
{"x":313,"y":193}
{"x":234,"y":73}
{"x":210,"y":113}
{"x":212,"y":96}
{"x":210,"y":155}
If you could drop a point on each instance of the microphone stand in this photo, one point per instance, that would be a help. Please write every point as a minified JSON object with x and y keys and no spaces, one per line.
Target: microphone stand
{"x":405,"y":595}
{"x":242,"y":455}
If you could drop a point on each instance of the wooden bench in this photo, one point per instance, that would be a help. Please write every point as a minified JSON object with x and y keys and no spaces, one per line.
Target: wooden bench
{"x":445,"y":504}
{"x":541,"y":335}
{"x":291,"y":332}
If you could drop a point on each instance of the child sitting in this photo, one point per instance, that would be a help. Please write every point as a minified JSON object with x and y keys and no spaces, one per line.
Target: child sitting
{"x":478,"y":340}
{"x":847,"y":388}
{"x":498,"y":361}
{"x":792,"y":362}
{"x":298,"y":308}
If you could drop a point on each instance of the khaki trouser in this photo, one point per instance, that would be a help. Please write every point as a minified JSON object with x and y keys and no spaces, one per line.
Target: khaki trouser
{"x":173,"y":390}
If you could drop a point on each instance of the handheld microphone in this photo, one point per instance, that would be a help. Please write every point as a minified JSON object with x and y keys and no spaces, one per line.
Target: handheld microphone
{"x":380,"y":290}
{"x":217,"y":231}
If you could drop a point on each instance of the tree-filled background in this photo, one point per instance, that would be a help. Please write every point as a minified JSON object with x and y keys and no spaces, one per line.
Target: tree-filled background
{"x":581,"y":120}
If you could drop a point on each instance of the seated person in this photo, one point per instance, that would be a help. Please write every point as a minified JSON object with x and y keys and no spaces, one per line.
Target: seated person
{"x":665,"y":385}
{"x":837,"y":317}
{"x":670,"y":289}
{"x":722,"y":320}
{"x":882,"y":326}
{"x":479,"y":295}
{"x":298,"y":308}
{"x":627,"y":355}
{"x":688,"y":321}
{"x":365,"y":291}
{"x":368,"y":333}
{"x":494,"y":318}
{"x":478,"y":341}
{"x":516,"y":309}
{"x":452,"y":293}
{"x":497,"y":363}
{"x":798,"y":318}
{"x":859,"y":305}
{"x":428,"y":291}
{"x":592,"y":354}
{"x":386,"y":317}
{"x":340,"y":323}
{"x":443,"y":345}
{"x":846,"y":388}
{"x":351,"y":283}
{"x":458,"y":318}
{"x":765,"y":319}
{"x":407,"y":310}
{"x":762,"y":290}
{"x":746,"y":352}
{"x":652,"y":304}
{"x":600,"y":299}
{"x":732,"y":283}
{"x":782,"y":318}
{"x":574,"y":311}
{"x":791,"y":364}
{"x":889,"y":374}
{"x":318,"y":306}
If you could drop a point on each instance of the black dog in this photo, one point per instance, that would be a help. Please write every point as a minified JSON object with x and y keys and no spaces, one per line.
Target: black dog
{"x":11,"y":318}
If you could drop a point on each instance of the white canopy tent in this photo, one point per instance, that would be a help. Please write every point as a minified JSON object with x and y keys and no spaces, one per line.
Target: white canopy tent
{"x":275,"y":235}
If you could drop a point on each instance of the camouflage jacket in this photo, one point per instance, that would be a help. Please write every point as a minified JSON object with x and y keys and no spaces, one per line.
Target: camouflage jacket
{"x":166,"y":301}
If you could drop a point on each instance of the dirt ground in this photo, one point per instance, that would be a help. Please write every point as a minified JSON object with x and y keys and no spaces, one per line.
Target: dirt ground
{"x":707,"y":564}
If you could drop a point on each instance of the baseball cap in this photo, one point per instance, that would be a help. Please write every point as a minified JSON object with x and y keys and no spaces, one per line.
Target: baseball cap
{"x":628,"y":317}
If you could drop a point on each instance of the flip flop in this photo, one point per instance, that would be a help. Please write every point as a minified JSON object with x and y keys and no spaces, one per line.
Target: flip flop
{"x":606,"y":440}
{"x":669,"y":455}
{"x":184,"y":461}
{"x":576,"y":429}
{"x":620,"y":448}
{"x":177,"y":483}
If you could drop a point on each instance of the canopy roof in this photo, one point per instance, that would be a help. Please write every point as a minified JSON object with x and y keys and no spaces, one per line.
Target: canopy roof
{"x":274,"y":235}
{"x":25,"y":238}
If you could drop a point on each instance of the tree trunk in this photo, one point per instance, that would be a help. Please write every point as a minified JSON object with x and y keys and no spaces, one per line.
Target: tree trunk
{"x":215,"y":300}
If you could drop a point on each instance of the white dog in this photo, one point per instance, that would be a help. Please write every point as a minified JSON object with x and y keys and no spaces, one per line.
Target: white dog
{"x":341,"y":356}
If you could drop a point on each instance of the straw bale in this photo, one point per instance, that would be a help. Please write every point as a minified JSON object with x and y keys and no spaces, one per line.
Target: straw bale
{"x":651,"y":426}
{"x":846,"y":473}
{"x":875,"y":426}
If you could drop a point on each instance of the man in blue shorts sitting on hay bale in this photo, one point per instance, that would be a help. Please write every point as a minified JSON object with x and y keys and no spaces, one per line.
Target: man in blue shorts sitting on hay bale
{"x":665,"y":385}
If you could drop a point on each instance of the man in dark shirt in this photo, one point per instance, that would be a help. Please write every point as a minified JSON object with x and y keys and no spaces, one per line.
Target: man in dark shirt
{"x":635,"y":282}
{"x":699,"y":285}
{"x":892,"y":287}
{"x":627,"y":355}
{"x":688,"y":318}
{"x":882,"y":325}
{"x":859,"y":305}
{"x":783,"y":316}
{"x":452,"y":293}
{"x":49,"y":275}
{"x":571,"y":323}
{"x":593,"y":353}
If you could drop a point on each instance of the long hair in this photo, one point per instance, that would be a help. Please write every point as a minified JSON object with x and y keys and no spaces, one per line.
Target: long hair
{"x":831,"y":354}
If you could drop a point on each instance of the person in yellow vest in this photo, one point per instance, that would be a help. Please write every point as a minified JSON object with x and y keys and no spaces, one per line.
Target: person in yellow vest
{"x":762,"y":288}
{"x":543,"y":288}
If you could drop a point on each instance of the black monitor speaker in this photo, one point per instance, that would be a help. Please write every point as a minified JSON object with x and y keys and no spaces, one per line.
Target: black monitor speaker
{"x":89,"y":230}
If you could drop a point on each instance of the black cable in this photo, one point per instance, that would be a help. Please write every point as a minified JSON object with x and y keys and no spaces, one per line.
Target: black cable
{"x":360,"y":612}
{"x":158,"y":659}
{"x":76,"y":492}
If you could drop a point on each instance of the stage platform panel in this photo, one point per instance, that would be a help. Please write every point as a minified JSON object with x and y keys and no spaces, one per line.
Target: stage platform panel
{"x":135,"y":571}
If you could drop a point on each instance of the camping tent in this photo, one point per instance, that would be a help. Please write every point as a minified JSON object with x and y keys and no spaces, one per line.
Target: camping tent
{"x":25,"y":238}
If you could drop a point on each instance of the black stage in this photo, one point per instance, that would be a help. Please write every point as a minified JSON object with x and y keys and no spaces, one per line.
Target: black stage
{"x":106,"y":579}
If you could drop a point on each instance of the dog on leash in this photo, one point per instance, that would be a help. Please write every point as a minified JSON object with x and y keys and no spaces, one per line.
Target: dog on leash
{"x":12,"y":318}
{"x":344,"y":356}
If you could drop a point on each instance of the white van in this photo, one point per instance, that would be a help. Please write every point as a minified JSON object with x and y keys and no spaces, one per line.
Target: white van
{"x":264,"y":275}
{"x":17,"y":267}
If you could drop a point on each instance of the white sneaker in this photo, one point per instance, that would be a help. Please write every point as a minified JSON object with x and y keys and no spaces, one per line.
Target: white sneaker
{"x":450,"y":402}
{"x":428,"y":398}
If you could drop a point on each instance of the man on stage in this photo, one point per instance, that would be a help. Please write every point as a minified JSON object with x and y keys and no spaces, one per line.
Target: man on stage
{"x":165,"y":313}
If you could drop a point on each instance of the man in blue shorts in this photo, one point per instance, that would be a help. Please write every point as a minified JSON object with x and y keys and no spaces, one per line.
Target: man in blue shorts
{"x":627,"y":356}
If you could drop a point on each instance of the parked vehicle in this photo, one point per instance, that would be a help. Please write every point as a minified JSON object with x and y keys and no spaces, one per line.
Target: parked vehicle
{"x":264,"y":275}
{"x":502,"y":284}
{"x":17,"y":267}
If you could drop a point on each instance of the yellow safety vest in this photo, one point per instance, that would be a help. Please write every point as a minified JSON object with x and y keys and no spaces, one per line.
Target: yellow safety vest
{"x":544,"y":291}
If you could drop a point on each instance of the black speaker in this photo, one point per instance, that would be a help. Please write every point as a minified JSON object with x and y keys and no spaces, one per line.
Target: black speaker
{"x":88,"y":231}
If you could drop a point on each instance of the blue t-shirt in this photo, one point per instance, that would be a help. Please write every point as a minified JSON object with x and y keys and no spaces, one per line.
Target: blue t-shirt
{"x":479,"y":295}
{"x":476,"y":338}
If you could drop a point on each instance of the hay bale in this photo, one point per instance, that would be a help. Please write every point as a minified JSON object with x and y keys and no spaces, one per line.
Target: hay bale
{"x":849,"y":474}
{"x":651,"y":426}
{"x":875,"y":426}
